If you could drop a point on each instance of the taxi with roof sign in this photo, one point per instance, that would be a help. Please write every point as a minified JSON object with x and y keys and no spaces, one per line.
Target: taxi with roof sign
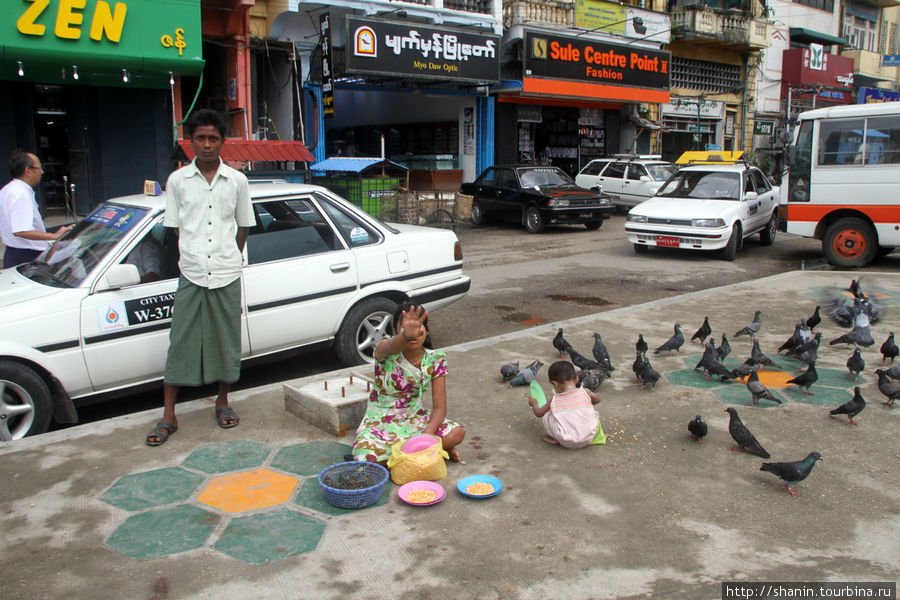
{"x":90,"y":317}
{"x":715,"y":201}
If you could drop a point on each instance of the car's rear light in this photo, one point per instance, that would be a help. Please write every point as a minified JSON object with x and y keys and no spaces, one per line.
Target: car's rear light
{"x":457,"y":251}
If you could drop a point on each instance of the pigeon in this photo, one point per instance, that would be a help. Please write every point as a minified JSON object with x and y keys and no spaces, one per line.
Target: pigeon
{"x":560,"y":343}
{"x":704,"y":331}
{"x":856,"y":363}
{"x":894,"y":372}
{"x":742,"y":370}
{"x":814,"y":319}
{"x":588,"y":380}
{"x":844,"y":313}
{"x":720,"y":370}
{"x":889,"y":349}
{"x":648,"y":375}
{"x":758,"y":390}
{"x":759,"y":358}
{"x":582,"y":362}
{"x":806,"y":379}
{"x":724,"y":348}
{"x":752,"y":328}
{"x":710,"y":354}
{"x":852,"y":407}
{"x":527,"y":375}
{"x":792,"y":472}
{"x":673,"y":343}
{"x":698,"y":428}
{"x":508,"y":371}
{"x":641,"y":344}
{"x":860,"y":335}
{"x":742,"y":435}
{"x":601,"y":354}
{"x":795,"y":340}
{"x":809,"y":352}
{"x":887,"y":387}
{"x":638,"y":365}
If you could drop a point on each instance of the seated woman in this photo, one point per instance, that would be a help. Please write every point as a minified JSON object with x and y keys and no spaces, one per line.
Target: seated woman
{"x":404,"y":371}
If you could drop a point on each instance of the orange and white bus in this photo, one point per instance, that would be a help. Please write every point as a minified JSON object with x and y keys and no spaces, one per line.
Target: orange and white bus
{"x":842,"y":184}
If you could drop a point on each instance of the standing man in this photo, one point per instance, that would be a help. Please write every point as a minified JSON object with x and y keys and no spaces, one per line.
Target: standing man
{"x":208,"y":203}
{"x":21,"y":227}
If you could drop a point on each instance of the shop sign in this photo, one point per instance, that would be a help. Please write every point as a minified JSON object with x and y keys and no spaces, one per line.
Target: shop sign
{"x":141,"y":36}
{"x":621,"y":19}
{"x":686,"y":106}
{"x":869,"y":95}
{"x":763,"y":128}
{"x":403,"y":48}
{"x":327,"y":73}
{"x":890,"y":60}
{"x":586,"y":60}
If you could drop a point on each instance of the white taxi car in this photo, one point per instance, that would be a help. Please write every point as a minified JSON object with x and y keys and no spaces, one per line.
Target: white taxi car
{"x":91,"y":315}
{"x":628,"y":178}
{"x":714,"y":203}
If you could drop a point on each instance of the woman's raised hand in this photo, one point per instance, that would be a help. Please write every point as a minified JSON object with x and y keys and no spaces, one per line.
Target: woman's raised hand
{"x":412,"y":321}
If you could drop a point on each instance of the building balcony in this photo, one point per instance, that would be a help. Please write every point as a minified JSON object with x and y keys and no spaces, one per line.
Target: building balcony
{"x":868,"y":64}
{"x":701,"y":23}
{"x":546,"y":12}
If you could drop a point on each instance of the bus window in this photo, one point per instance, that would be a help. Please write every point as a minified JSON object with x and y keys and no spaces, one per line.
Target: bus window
{"x":798,"y":178}
{"x":840,"y":142}
{"x":882,"y":140}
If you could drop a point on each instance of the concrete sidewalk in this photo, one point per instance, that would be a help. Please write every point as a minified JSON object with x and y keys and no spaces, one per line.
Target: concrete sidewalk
{"x":93,"y":512}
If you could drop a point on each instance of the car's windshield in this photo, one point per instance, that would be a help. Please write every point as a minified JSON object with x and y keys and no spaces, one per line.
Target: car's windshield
{"x":67,"y":262}
{"x":660,"y":172}
{"x":715,"y":185}
{"x":543,"y":177}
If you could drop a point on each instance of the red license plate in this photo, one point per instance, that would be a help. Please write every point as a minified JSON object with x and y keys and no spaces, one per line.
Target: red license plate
{"x":670,"y":242}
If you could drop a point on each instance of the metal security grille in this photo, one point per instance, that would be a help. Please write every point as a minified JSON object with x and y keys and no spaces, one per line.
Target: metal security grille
{"x":705,"y":76}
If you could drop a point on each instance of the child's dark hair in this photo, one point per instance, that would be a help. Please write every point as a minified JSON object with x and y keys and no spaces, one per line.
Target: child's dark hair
{"x":561,"y":370}
{"x":205,"y":116}
{"x":405,"y":307}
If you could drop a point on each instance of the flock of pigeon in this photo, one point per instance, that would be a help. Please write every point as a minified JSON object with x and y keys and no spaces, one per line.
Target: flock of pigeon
{"x":803,"y":345}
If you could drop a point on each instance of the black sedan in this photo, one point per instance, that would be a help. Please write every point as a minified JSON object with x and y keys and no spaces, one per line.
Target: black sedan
{"x":536,"y":196}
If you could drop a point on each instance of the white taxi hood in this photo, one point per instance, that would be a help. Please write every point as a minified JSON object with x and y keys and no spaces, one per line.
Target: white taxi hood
{"x":685,"y":208}
{"x":14,"y":288}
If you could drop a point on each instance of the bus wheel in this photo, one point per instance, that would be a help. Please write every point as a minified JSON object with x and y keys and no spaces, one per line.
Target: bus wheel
{"x":850,"y":242}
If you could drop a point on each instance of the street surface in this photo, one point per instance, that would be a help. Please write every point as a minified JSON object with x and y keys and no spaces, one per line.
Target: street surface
{"x":520,"y":280}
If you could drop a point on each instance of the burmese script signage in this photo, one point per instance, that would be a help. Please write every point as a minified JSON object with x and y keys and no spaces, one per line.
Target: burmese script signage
{"x":587,"y":60}
{"x":410,"y":49}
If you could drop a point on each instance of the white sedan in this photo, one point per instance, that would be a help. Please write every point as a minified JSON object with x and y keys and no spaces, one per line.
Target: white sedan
{"x":91,"y":315}
{"x":707,"y":207}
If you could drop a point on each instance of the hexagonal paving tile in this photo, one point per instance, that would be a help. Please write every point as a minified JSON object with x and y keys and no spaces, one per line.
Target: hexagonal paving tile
{"x":222,"y":457}
{"x":312,"y":496}
{"x":271,"y":536}
{"x":310,"y":458}
{"x":252,"y":490}
{"x":152,"y":488}
{"x":162,"y":532}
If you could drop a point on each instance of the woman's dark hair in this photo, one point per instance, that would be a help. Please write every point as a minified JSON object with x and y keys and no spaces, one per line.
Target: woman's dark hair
{"x":19,"y":161}
{"x":405,"y":307}
{"x":560,"y":371}
{"x":205,"y":116}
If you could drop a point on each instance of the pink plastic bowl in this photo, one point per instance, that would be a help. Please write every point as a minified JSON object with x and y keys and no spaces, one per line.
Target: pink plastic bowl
{"x":417,"y":443}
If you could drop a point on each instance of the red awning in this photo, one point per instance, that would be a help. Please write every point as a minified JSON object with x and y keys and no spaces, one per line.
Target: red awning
{"x":257,"y":151}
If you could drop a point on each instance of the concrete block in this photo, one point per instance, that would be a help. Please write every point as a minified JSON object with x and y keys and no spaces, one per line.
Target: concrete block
{"x":334,"y":404}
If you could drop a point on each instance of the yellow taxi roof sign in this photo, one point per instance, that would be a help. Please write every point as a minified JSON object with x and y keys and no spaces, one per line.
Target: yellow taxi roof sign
{"x":714,"y":157}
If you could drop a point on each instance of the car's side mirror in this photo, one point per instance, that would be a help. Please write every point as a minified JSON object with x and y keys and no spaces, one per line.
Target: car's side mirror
{"x":596,"y":188}
{"x":750,"y":196}
{"x":644,"y":178}
{"x":119,"y":276}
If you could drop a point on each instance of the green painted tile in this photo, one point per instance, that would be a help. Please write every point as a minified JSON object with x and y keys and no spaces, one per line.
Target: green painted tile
{"x":222,"y":457}
{"x":271,"y":536}
{"x":312,"y":496}
{"x":822,"y":396}
{"x":739,"y":395}
{"x":310,"y":458}
{"x":152,"y":488}
{"x":163,"y":532}
{"x":696,"y":379}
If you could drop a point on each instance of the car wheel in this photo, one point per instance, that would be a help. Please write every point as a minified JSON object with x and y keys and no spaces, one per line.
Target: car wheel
{"x":767,"y":235}
{"x":641,"y":248}
{"x":478,"y":217}
{"x":534,"y":222}
{"x":25,"y":402}
{"x":850,"y":242}
{"x":365,"y":325}
{"x":729,"y":252}
{"x":593,"y":225}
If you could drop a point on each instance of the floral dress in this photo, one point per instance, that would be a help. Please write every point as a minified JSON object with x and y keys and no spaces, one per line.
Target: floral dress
{"x":395,"y":410}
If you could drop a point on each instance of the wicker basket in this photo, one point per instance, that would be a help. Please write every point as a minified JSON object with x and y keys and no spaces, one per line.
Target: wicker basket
{"x":357,"y":498}
{"x":462,"y":210}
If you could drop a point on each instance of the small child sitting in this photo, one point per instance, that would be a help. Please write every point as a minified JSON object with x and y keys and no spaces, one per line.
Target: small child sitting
{"x":569,"y":418}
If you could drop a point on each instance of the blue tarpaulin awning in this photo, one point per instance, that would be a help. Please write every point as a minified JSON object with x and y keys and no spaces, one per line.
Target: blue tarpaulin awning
{"x":353,"y":164}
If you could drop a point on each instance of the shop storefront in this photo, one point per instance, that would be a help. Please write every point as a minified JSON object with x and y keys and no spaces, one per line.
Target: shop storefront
{"x":812,"y":78}
{"x":93,"y":83}
{"x":696,"y":123}
{"x":410,"y":92}
{"x":578,"y":97}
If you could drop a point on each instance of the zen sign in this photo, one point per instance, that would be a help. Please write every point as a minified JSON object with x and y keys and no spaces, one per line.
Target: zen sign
{"x":764,"y":128}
